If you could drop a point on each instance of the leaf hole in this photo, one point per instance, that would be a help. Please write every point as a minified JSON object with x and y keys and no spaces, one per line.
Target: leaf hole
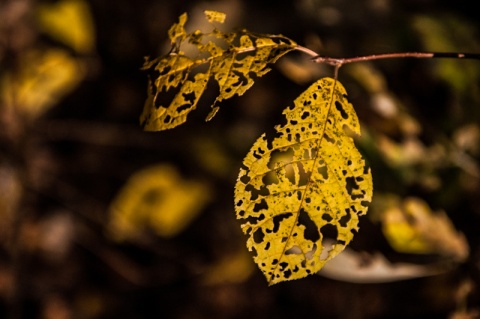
{"x":323,"y":170}
{"x":295,"y":250}
{"x":329,"y":230}
{"x":311,"y":230}
{"x":283,"y":265}
{"x":258,"y":236}
{"x":309,"y":255}
{"x":260,"y":206}
{"x":167,"y":119}
{"x":339,"y":108}
{"x":305,"y":115}
{"x":327,"y":218}
{"x":328,"y":138}
{"x":278,"y":219}
{"x":189,"y":98}
{"x":245,"y":179}
{"x":345,"y":218}
{"x":351,"y":185}
{"x":364,"y":203}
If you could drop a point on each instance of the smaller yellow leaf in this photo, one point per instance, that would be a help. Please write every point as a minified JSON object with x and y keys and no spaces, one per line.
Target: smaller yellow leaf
{"x":159,"y":199}
{"x":228,"y":64}
{"x":215,"y":16}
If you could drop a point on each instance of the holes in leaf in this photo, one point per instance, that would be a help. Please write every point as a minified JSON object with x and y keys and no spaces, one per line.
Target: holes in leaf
{"x":329,"y":230}
{"x":305,"y":115}
{"x":189,"y":98}
{"x":328,"y":138}
{"x":345,"y":218}
{"x":263,"y":191}
{"x":278,"y":219}
{"x":309,"y":254}
{"x":260,"y":206}
{"x":283,"y":265}
{"x":323,"y":170}
{"x":279,"y":158}
{"x":258,"y":236}
{"x":364,"y":203}
{"x":327,"y":218}
{"x":258,"y":153}
{"x":167,"y":119}
{"x":299,"y":195}
{"x":303,"y":175}
{"x":311,"y":231}
{"x":245,"y":179}
{"x":270,"y":178}
{"x":339,"y":108}
{"x":184,"y":107}
{"x":294,"y":250}
{"x":351,"y":185}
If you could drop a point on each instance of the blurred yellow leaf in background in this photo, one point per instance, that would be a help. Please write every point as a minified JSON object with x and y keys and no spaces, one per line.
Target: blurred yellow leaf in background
{"x":41,"y":80}
{"x":410,"y":226}
{"x":156,"y":198}
{"x":236,"y":267}
{"x":69,"y":22}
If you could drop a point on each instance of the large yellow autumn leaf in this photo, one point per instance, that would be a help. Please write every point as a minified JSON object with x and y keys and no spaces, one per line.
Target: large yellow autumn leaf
{"x":307,"y":183}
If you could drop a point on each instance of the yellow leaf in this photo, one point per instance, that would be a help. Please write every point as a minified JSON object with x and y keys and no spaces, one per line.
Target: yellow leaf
{"x":70,"y":22}
{"x":308,"y":182}
{"x":156,"y":198}
{"x":43,"y":78}
{"x":232,"y":64}
{"x":411,"y":227}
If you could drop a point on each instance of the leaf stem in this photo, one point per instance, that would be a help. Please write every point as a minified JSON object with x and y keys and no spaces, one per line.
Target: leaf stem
{"x":337,"y":62}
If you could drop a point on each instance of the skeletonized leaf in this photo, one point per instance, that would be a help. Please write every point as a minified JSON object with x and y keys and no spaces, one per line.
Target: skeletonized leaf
{"x":307,"y":183}
{"x":231,"y":59}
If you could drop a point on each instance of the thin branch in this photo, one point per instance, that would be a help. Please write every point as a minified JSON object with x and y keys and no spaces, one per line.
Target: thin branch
{"x":337,"y":62}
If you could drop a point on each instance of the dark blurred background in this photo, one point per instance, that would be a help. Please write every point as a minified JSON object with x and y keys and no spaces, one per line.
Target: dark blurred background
{"x":99,"y":219}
